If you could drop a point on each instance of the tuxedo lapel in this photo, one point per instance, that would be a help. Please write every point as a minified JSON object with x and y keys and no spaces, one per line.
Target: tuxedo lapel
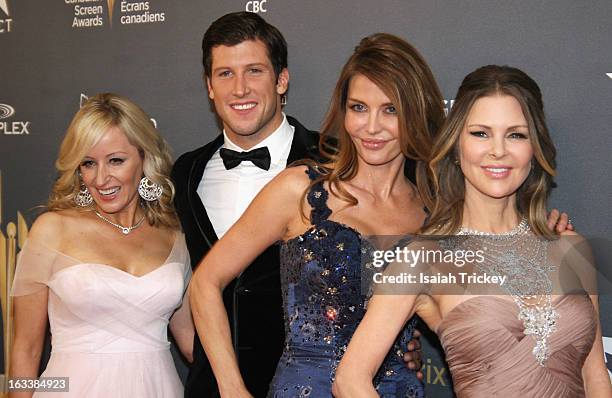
{"x":305,"y":144}
{"x":198,"y":210}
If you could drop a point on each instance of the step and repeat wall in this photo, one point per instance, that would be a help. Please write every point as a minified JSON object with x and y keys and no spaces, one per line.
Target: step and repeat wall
{"x":55,"y":53}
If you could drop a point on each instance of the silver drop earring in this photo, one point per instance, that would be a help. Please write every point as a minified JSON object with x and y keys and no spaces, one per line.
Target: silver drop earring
{"x":148,"y":190}
{"x":83,"y":198}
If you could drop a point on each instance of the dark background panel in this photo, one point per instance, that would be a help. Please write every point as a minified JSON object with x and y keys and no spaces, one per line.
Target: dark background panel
{"x":46,"y":64}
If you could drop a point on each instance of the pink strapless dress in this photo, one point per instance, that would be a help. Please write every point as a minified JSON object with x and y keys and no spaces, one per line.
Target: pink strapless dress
{"x":108,"y":327}
{"x":490,"y":356}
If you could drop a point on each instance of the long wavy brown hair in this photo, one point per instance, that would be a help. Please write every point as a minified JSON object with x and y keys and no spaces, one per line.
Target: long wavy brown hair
{"x":100,"y":113}
{"x":447,"y":180}
{"x":398,"y":69}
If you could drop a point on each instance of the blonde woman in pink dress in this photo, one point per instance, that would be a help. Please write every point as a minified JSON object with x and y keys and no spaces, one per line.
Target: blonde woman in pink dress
{"x":536,"y":336}
{"x":106,"y":265}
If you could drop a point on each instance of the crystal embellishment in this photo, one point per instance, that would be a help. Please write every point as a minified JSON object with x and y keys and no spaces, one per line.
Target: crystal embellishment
{"x":539,"y":322}
{"x":523,"y":258}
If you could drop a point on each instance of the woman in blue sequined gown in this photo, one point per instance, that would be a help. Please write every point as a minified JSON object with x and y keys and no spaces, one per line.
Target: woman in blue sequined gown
{"x":323,"y":300}
{"x":384,"y":110}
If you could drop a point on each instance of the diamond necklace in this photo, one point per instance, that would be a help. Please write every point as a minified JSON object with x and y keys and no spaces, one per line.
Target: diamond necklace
{"x":125,"y":230}
{"x":522,"y":257}
{"x":521,"y":228}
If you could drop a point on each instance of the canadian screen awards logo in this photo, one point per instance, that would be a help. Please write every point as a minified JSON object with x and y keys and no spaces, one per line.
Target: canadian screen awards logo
{"x":11,"y":127}
{"x":90,"y":13}
{"x":6,"y":24}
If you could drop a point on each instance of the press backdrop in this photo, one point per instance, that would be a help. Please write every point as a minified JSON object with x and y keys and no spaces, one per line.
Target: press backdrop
{"x":54,"y":53}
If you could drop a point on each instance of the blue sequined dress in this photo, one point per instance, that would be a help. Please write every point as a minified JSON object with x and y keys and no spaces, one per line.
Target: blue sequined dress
{"x":323,"y":303}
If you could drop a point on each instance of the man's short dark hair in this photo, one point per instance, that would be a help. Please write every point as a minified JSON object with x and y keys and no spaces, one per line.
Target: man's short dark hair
{"x":236,"y":27}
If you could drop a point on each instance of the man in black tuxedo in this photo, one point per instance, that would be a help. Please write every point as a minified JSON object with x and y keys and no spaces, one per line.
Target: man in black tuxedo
{"x":245,"y":66}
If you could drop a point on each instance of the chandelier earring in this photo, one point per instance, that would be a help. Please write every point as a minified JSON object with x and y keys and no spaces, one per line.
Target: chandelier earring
{"x":148,"y":190}
{"x":83,"y":198}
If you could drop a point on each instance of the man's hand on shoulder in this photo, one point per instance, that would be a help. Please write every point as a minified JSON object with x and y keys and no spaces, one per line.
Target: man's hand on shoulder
{"x":558,"y":221}
{"x":412,"y":357}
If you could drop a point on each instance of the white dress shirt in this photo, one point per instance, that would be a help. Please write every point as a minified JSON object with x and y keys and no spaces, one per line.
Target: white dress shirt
{"x":227,"y":193}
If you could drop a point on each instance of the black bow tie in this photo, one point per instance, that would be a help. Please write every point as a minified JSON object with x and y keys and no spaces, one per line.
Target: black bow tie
{"x":260,"y":157}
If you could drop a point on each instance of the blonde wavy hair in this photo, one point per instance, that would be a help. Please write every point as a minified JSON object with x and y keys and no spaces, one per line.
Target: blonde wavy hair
{"x":448,"y":183}
{"x":400,"y":71}
{"x":100,"y":113}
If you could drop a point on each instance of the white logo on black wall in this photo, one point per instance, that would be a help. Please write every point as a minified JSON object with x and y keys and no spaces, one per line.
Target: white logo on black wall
{"x":11,"y":127}
{"x":448,"y":105}
{"x":88,"y":15}
{"x":256,"y":6}
{"x":91,"y":13}
{"x":138,"y":12}
{"x":6,"y":24}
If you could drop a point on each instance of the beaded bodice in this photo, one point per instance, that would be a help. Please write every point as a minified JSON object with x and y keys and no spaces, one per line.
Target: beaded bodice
{"x":321,"y":281}
{"x":321,"y":284}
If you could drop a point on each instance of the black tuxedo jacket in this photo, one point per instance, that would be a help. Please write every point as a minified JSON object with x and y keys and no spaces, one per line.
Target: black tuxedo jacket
{"x":253,"y":301}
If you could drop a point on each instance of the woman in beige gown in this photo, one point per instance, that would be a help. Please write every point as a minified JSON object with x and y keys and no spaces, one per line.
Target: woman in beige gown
{"x":534,"y":333}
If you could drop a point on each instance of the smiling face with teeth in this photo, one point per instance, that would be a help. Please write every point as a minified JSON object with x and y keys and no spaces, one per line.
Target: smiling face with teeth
{"x":112,"y":170}
{"x":495,"y":150}
{"x":246,"y":91}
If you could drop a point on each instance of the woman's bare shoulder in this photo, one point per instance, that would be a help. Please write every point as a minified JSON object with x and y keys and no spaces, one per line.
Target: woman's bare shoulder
{"x":292,"y":181}
{"x":51,"y":226}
